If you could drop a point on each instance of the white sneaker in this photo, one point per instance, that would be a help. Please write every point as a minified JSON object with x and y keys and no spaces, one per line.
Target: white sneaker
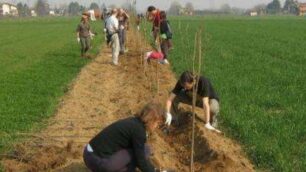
{"x":208,"y":126}
{"x":166,"y":61}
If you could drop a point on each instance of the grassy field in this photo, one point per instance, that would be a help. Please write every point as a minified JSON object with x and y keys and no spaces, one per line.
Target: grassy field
{"x":257,"y":65}
{"x":38,"y":59}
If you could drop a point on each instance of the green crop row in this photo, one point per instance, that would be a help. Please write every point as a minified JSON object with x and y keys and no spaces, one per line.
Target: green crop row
{"x":38,"y":60}
{"x":257,"y":66}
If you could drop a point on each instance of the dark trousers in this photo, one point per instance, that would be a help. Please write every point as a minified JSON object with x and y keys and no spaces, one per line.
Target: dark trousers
{"x":121,"y":161}
{"x":122,"y":38}
{"x":164,"y":46}
{"x":85,"y":45}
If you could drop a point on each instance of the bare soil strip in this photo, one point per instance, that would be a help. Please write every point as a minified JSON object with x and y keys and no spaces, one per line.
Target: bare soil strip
{"x":102,"y":94}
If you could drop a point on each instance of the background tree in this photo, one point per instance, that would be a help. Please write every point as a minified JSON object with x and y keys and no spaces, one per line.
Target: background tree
{"x":261,"y":9}
{"x":189,"y":7}
{"x":274,"y":7}
{"x":23,"y":10}
{"x":94,"y":6}
{"x":27,"y":10}
{"x":175,"y":8}
{"x":291,"y":6}
{"x":42,"y":8}
{"x":82,"y":8}
{"x":226,"y":8}
{"x":73,"y":8}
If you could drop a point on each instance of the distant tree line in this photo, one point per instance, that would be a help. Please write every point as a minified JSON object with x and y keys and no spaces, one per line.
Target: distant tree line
{"x":274,"y":7}
{"x":42,"y":8}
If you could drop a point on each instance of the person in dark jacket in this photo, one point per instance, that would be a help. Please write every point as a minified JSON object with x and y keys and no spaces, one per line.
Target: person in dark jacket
{"x":206,"y":98}
{"x":165,"y":36}
{"x":121,"y":147}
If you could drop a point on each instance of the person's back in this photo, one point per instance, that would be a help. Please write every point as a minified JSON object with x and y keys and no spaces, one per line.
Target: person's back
{"x":122,"y":145}
{"x":118,"y":135}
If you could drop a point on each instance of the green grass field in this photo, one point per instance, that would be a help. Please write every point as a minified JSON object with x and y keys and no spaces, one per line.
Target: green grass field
{"x":38,"y":59}
{"x":257,"y":65}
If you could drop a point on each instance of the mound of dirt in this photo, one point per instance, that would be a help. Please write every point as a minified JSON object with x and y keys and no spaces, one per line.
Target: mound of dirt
{"x":44,"y":158}
{"x":102,"y":94}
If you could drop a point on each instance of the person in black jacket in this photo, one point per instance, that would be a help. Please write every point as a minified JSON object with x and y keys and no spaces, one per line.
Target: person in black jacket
{"x":206,"y":98}
{"x":121,"y":147}
{"x":165,"y":36}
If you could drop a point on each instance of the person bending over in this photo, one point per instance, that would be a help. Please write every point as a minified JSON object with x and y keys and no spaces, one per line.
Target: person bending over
{"x":121,"y":147}
{"x":206,"y":98}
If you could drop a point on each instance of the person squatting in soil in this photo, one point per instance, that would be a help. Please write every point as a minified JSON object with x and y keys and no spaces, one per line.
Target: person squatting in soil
{"x":165,"y":36}
{"x":84,"y":35}
{"x":123,"y":18}
{"x":121,"y":147}
{"x":206,"y":98}
{"x":112,"y":30}
{"x":153,"y":55}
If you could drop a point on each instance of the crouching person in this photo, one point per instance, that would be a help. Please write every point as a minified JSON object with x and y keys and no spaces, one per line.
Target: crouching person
{"x":206,"y":98}
{"x":121,"y":147}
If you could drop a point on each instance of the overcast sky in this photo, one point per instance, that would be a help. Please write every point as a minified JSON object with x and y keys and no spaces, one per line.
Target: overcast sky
{"x":161,"y":4}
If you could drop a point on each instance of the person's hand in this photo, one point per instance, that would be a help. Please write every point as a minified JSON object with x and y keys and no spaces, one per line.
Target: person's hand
{"x":78,"y":39}
{"x":91,"y":35}
{"x":168,"y":119}
{"x":121,"y":27}
{"x":209,"y":127}
{"x":104,"y":30}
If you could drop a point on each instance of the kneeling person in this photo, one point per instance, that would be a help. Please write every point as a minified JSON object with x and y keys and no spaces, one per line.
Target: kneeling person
{"x":206,"y":98}
{"x":121,"y":147}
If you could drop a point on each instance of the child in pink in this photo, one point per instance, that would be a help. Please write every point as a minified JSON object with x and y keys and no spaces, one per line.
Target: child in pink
{"x":155,"y":55}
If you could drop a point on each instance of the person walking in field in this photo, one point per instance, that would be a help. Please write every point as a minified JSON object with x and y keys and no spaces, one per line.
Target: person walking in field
{"x":153,"y":15}
{"x":121,"y":147}
{"x":138,"y":21}
{"x":123,"y":18}
{"x":84,"y":35}
{"x":165,"y":36}
{"x":206,"y":98}
{"x":112,"y":30}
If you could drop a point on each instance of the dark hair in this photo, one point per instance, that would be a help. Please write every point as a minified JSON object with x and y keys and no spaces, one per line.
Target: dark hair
{"x":186,"y":77}
{"x":151,"y":112}
{"x":163,"y":15}
{"x":151,"y":8}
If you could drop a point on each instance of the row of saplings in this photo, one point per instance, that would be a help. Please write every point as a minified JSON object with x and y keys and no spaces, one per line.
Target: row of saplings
{"x":122,"y":146}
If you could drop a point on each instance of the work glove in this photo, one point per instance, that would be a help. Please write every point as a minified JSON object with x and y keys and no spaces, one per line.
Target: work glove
{"x":104,"y":30}
{"x":91,"y":35}
{"x":78,"y":39}
{"x":209,"y":127}
{"x":168,"y":119}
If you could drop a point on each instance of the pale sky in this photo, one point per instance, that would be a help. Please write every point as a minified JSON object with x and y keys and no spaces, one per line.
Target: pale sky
{"x":161,"y":4}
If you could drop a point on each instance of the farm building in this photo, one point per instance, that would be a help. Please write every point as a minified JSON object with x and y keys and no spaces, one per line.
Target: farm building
{"x":302,"y":9}
{"x":186,"y":12}
{"x":7,"y":9}
{"x":33,"y":13}
{"x":253,"y":13}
